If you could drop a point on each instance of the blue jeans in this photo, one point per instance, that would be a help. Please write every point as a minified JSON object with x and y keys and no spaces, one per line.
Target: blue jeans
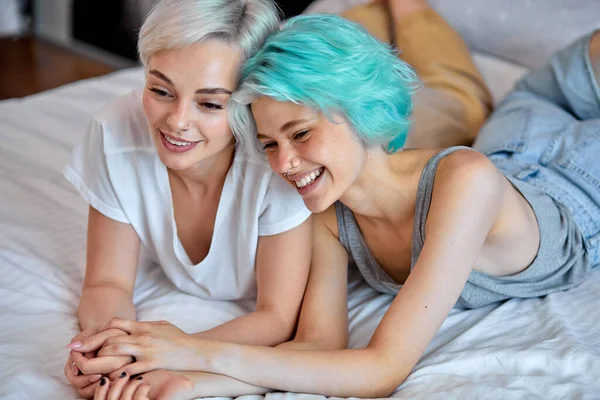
{"x":547,"y":133}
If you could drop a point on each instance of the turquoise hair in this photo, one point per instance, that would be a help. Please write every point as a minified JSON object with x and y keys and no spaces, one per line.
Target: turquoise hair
{"x":335,"y":66}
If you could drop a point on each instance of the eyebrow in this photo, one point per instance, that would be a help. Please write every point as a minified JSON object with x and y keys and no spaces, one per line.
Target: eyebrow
{"x":216,"y":90}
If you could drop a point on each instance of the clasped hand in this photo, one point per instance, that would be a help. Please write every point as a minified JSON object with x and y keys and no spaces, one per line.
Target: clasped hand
{"x":145,"y":346}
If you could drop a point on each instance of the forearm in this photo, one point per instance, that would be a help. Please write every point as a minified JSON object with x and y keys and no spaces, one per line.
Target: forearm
{"x":100,"y":303}
{"x":213,"y":385}
{"x":261,"y":328}
{"x":340,"y":373}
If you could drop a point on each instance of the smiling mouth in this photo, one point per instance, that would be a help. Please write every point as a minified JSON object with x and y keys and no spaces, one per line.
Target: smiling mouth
{"x":175,"y":142}
{"x":308,"y":179}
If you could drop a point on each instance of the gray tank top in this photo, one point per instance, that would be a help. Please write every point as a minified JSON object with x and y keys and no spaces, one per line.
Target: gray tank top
{"x":561,"y":261}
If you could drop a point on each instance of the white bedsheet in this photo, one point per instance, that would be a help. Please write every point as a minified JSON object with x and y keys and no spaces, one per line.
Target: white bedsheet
{"x":535,"y":349}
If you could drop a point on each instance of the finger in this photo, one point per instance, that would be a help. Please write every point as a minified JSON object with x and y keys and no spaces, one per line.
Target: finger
{"x":121,"y":339}
{"x":88,"y":391}
{"x":102,"y":389}
{"x":69,"y":364}
{"x":84,"y":333}
{"x":122,"y":349}
{"x":79,"y":381}
{"x":131,"y":387}
{"x":117,"y":387}
{"x":100,"y":365}
{"x":135,"y":368}
{"x":126,"y":325}
{"x":93,"y":342}
{"x":142,"y":392}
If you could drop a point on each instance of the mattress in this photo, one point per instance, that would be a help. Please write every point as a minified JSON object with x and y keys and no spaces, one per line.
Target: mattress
{"x":547,"y":348}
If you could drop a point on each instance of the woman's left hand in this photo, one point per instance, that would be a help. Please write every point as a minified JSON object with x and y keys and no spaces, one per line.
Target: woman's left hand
{"x":154,"y":345}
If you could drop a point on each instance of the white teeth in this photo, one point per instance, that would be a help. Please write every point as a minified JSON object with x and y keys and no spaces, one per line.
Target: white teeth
{"x":176,"y":142}
{"x":308,"y":179}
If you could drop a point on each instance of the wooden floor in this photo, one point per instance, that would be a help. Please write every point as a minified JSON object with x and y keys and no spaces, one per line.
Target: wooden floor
{"x":29,"y":65}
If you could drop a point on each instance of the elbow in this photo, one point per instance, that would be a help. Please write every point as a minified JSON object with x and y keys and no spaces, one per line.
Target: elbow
{"x":385,"y":386}
{"x":283,"y":328}
{"x":385,"y":373}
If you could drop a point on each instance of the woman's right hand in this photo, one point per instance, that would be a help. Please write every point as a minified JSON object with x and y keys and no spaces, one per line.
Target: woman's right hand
{"x":84,"y":384}
{"x":84,"y":371}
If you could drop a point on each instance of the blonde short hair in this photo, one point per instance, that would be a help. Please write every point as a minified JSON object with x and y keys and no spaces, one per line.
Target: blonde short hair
{"x":180,"y":23}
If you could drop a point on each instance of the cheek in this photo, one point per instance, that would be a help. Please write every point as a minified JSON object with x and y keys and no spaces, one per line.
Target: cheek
{"x":215,"y":125}
{"x":152,"y":109}
{"x":346,"y":159}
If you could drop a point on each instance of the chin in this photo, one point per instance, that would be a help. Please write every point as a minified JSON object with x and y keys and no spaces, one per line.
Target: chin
{"x":317,"y":205}
{"x":174,"y":163}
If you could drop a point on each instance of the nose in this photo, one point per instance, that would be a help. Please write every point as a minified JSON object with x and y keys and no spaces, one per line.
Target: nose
{"x":179,"y":119}
{"x":284,"y":159}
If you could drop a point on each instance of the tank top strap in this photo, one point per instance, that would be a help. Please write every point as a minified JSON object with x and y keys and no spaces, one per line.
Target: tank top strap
{"x":423,"y":201}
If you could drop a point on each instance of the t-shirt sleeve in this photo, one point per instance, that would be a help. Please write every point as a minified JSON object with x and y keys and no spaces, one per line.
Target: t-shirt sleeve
{"x":87,"y":171}
{"x":283,"y":208}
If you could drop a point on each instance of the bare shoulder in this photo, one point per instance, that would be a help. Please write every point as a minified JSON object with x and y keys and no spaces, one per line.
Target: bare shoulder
{"x":325,"y":222}
{"x":468,"y":169}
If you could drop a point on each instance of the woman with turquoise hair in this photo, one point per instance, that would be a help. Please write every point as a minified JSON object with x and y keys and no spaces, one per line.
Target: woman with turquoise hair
{"x":516,"y":217}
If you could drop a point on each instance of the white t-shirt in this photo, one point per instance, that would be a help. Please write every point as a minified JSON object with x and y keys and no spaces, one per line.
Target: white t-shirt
{"x":117,"y":170}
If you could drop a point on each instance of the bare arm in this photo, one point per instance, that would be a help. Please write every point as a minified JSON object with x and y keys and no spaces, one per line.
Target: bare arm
{"x":323,"y":320}
{"x":464,"y":207}
{"x":283,"y":262}
{"x":111,"y":266}
{"x":282,"y":265}
{"x":112,"y":256}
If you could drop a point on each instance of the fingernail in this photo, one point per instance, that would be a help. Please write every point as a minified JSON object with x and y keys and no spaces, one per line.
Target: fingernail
{"x":95,"y":378}
{"x":123,"y":374}
{"x":139,"y":378}
{"x":75,"y":369}
{"x":74,"y":345}
{"x":103,"y":381}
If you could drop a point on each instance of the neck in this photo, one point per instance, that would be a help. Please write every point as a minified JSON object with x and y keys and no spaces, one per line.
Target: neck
{"x":207,"y":175}
{"x":380,"y":190}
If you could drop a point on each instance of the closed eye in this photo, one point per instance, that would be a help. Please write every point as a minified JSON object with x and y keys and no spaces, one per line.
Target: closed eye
{"x":269,"y":146}
{"x":301,"y":135}
{"x":159,"y":92}
{"x":212,"y":106}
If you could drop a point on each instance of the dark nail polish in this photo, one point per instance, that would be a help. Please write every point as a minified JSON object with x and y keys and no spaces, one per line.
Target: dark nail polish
{"x":139,"y":378}
{"x":103,"y":381}
{"x":123,"y":374}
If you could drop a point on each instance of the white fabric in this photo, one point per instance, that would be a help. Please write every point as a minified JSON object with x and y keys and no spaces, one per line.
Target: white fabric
{"x":117,"y":170}
{"x":545,"y":348}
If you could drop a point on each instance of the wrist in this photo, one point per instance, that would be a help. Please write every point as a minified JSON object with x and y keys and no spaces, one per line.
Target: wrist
{"x":210,"y":356}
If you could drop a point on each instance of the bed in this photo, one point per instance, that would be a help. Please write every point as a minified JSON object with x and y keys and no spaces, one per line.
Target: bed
{"x":547,"y":348}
